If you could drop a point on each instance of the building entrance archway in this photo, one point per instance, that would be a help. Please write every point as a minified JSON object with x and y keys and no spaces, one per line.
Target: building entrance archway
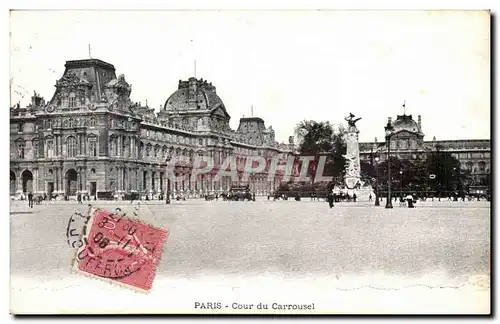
{"x":71,"y":181}
{"x":27,"y":178}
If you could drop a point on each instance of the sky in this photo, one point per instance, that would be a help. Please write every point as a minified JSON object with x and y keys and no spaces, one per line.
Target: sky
{"x":289,"y":65}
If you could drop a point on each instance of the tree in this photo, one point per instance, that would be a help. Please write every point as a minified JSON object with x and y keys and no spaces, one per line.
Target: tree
{"x":321,"y":139}
{"x":446,"y":170}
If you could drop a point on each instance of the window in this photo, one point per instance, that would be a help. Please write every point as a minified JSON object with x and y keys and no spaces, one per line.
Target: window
{"x":48,"y":123}
{"x":20,"y":149}
{"x":71,"y":146}
{"x":92,"y":147}
{"x":482,"y":167}
{"x":21,"y":127}
{"x":92,"y":122}
{"x":72,"y":100}
{"x":201,"y":141}
{"x":35,"y":148}
{"x":50,"y":147}
{"x":70,"y":123}
{"x":124,"y":144}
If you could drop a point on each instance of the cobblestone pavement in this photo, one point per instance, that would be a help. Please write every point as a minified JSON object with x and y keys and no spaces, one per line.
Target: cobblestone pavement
{"x":286,"y":238}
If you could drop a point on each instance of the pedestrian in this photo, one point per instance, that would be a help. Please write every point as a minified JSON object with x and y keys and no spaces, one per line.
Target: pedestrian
{"x":330,"y":199}
{"x":354,"y":197}
{"x":410,"y":201}
{"x":79,"y":198}
{"x":30,"y":200}
{"x":370,"y":197}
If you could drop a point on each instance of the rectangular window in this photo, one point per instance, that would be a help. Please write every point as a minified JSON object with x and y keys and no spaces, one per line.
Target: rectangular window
{"x":35,"y":149}
{"x":72,"y":102}
{"x":92,"y":148}
{"x":50,"y":148}
{"x":20,"y":150}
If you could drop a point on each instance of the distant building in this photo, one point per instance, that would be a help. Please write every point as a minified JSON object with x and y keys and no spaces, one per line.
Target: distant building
{"x":91,"y":138}
{"x":408,"y":143}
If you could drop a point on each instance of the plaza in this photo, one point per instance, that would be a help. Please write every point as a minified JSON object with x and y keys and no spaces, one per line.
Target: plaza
{"x":437,"y":244}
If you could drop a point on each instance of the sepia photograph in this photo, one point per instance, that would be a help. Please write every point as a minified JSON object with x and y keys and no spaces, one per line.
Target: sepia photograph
{"x":250,"y":162}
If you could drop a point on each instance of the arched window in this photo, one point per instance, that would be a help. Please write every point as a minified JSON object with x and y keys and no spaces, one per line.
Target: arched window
{"x":71,"y":146}
{"x":482,"y":166}
{"x":70,"y":123}
{"x":469,"y":166}
{"x":20,"y":149}
{"x":72,"y":100}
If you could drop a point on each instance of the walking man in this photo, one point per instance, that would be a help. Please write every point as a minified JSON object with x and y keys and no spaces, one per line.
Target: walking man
{"x":330,"y":199}
{"x":30,"y":200}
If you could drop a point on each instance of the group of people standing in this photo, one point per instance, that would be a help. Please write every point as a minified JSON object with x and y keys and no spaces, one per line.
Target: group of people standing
{"x":334,"y":197}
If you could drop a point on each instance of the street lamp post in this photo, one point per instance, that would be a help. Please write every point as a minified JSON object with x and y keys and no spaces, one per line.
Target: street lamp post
{"x":377,"y":201}
{"x":401,"y":180}
{"x":388,"y":133}
{"x":167,"y":198}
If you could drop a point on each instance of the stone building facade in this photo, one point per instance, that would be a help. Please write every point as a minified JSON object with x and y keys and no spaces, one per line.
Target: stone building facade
{"x":91,"y":138}
{"x":408,"y":143}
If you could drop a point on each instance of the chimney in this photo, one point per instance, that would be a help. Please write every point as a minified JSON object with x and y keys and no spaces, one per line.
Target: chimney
{"x":389,"y":120}
{"x":419,"y":123}
{"x":36,"y":100}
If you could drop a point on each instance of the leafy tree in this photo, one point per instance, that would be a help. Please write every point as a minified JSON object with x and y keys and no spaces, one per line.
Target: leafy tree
{"x":321,"y":139}
{"x":446,"y":168}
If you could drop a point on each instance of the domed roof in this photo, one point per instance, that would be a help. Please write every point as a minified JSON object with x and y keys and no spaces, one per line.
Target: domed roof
{"x":194,"y":95}
{"x":406,"y":123}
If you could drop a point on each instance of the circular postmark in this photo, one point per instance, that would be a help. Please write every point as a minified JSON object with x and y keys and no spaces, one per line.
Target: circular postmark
{"x":74,"y":230}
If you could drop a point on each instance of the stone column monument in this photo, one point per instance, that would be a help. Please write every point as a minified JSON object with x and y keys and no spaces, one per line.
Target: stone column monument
{"x":352,"y":176}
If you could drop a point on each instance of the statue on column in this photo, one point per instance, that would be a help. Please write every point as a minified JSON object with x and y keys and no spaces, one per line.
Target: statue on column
{"x":352,"y":176}
{"x":351,"y":121}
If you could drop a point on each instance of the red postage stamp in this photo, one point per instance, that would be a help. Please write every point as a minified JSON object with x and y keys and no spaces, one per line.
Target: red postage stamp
{"x":120,"y":249}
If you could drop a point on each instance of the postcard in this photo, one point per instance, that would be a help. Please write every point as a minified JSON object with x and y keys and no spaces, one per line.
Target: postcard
{"x":269,"y":162}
